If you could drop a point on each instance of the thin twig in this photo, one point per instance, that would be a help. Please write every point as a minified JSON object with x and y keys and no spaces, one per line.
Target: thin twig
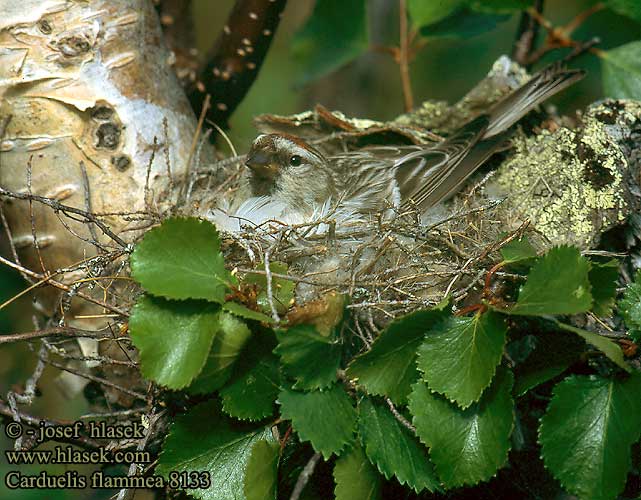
{"x":62,"y":286}
{"x":401,"y":419}
{"x":82,"y":441}
{"x":98,"y":380}
{"x":59,"y":207}
{"x":270,"y":291}
{"x":85,"y":181}
{"x":527,"y":34}
{"x":304,"y":476}
{"x":36,"y":243}
{"x":403,"y":59}
{"x":61,"y":331}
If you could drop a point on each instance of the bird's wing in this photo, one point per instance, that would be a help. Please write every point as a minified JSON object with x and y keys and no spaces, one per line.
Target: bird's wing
{"x":426,"y":176}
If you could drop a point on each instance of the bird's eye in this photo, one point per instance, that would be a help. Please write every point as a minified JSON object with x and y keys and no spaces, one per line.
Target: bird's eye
{"x":295,"y":161}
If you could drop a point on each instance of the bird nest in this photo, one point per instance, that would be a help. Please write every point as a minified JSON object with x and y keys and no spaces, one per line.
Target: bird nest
{"x":384,"y":265}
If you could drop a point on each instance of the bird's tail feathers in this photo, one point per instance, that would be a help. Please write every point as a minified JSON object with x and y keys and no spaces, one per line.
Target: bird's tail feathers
{"x":540,"y":87}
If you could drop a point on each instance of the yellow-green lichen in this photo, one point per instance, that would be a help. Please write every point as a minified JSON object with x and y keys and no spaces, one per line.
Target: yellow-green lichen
{"x":567,"y":183}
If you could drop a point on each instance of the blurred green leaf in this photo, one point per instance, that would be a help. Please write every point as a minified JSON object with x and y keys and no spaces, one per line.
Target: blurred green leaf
{"x":173,"y":338}
{"x":500,"y":6}
{"x":244,"y":312}
{"x":459,"y":355}
{"x":335,"y":34}
{"x":603,"y":280}
{"x":181,"y":259}
{"x":622,"y":71}
{"x":355,"y":477}
{"x":587,"y":432}
{"x":394,"y":449}
{"x":466,"y":446}
{"x":261,"y":474}
{"x":463,"y":23}
{"x":611,"y":350}
{"x":206,"y":440}
{"x":325,"y":418}
{"x":630,"y":308}
{"x":557,"y":284}
{"x":282,"y":289}
{"x":389,"y":367}
{"x":424,"y":13}
{"x":518,"y":250}
{"x":308,"y":357}
{"x":230,"y":338}
{"x":629,"y":8}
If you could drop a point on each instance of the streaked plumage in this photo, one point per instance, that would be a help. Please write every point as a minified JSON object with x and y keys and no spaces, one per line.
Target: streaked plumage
{"x":285,"y":169}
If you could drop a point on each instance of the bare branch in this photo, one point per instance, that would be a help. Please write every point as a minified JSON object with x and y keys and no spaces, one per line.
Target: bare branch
{"x":237,"y":57}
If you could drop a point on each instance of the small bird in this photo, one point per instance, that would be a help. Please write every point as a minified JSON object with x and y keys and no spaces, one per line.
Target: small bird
{"x":284,"y":170}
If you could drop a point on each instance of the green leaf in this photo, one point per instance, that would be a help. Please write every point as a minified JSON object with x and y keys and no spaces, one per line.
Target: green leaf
{"x":244,"y":312}
{"x":252,"y":394}
{"x":181,"y":259}
{"x":518,"y":250}
{"x":325,"y":418}
{"x":335,"y":34}
{"x":552,"y":355}
{"x":425,"y":13}
{"x":557,"y":284}
{"x":228,"y":343}
{"x":309,"y":358}
{"x":463,"y":23}
{"x":261,"y":474}
{"x":466,"y":446}
{"x":622,"y":71}
{"x":173,"y":338}
{"x":587,"y":433}
{"x":500,"y":6}
{"x":630,"y":308}
{"x":606,"y":346}
{"x":394,"y":449}
{"x":459,"y":355}
{"x":282,"y":289}
{"x":355,"y":477}
{"x":603,"y":281}
{"x":629,"y":8}
{"x":389,"y":367}
{"x":206,"y":440}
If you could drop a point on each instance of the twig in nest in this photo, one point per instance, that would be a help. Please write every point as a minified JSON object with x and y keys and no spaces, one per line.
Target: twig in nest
{"x":185,"y":190}
{"x":270,"y":292}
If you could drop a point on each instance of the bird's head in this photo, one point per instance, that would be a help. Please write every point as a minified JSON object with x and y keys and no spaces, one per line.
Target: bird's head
{"x":274,"y":155}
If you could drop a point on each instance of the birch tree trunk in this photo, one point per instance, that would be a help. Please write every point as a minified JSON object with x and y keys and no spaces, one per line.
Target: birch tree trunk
{"x":92,"y":116}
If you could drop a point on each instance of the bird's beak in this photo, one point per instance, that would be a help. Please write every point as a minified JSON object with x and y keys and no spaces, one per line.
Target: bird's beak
{"x":262,"y":164}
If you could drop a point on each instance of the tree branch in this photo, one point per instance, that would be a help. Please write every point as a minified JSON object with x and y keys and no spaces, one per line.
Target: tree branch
{"x":237,"y":57}
{"x":526,"y":35}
